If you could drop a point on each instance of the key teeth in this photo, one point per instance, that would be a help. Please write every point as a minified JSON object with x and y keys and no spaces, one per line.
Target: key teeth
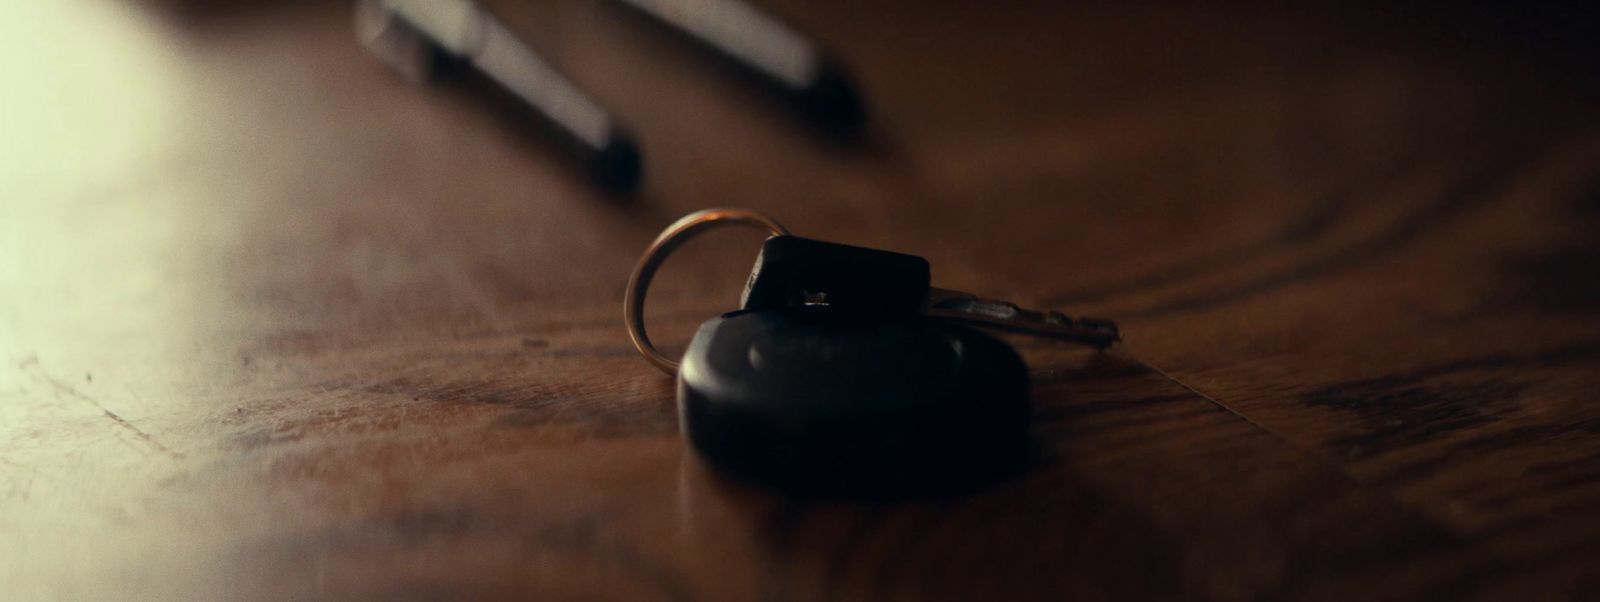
{"x":1005,"y":315}
{"x":1111,"y":335}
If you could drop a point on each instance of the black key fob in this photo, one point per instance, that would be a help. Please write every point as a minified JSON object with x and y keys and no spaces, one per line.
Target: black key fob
{"x":811,"y":399}
{"x":790,"y":268}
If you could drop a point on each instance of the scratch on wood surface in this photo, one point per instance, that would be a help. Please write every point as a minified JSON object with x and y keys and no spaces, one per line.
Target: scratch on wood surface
{"x":21,"y":488}
{"x":31,"y":367}
{"x":1387,"y":496}
{"x":450,"y":268}
{"x":17,"y":464}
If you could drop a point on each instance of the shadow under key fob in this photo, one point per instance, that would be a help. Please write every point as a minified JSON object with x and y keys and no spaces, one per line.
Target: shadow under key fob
{"x":815,"y":400}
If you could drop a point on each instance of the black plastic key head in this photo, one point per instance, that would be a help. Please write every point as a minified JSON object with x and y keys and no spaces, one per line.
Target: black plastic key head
{"x":790,"y":271}
{"x":815,"y":400}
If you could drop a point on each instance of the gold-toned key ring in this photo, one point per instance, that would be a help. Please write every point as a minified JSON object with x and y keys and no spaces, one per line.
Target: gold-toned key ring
{"x":670,"y":239}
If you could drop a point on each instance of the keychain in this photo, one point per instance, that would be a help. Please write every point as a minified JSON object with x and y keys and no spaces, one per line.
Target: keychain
{"x":844,"y":371}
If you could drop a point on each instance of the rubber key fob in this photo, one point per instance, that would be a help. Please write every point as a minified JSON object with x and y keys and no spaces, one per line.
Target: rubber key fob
{"x":814,"y":400}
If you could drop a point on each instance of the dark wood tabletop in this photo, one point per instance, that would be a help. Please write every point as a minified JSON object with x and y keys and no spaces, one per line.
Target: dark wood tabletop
{"x":277,"y":324}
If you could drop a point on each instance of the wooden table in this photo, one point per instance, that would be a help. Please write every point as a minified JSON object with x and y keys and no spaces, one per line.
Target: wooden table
{"x":276,"y":325}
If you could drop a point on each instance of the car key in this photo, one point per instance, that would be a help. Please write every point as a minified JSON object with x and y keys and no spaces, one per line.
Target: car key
{"x":792,"y":271}
{"x":815,"y":399}
{"x":842,"y":372}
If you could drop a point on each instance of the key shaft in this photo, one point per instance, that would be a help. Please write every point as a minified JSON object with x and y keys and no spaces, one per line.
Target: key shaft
{"x":793,"y":271}
{"x":967,"y":307}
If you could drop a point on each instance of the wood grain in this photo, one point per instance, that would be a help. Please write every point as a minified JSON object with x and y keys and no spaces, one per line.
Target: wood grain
{"x":276,"y":325}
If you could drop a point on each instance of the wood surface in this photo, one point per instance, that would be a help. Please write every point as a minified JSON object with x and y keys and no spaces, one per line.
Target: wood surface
{"x":276,"y":325}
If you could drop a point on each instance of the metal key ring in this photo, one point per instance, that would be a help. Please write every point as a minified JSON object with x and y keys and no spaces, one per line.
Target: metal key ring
{"x":670,"y":239}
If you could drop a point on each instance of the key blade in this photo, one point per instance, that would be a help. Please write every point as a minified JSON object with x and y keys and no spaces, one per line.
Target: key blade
{"x":967,"y":307}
